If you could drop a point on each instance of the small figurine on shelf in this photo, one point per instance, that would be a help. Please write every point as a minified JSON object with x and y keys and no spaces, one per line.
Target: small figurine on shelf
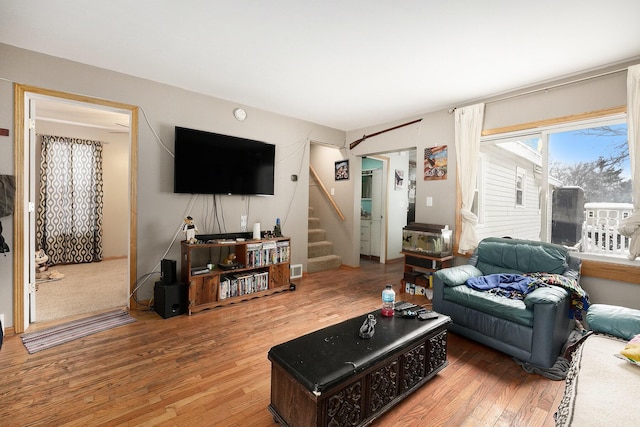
{"x":190,"y":230}
{"x":276,"y":230}
{"x":229,"y":260}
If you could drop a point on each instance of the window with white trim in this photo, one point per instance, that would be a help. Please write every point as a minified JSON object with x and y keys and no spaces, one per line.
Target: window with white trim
{"x":568,"y":184}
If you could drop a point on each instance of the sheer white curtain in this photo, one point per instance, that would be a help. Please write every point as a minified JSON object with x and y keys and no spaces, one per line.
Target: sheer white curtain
{"x":633,"y":129}
{"x":630,"y":227}
{"x":468,"y":129}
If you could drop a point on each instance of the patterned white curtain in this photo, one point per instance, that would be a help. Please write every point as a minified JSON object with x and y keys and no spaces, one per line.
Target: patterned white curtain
{"x":468,"y":128}
{"x":69,"y":217}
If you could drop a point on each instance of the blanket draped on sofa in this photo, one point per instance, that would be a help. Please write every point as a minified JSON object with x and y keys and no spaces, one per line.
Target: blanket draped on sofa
{"x":517,"y":286}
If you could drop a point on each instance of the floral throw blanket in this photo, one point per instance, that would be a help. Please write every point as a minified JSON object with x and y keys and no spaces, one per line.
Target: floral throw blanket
{"x":516,"y":286}
{"x":578,"y":296}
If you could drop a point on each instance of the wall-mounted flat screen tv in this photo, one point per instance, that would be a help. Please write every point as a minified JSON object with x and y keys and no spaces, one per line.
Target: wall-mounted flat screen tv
{"x":211,"y":163}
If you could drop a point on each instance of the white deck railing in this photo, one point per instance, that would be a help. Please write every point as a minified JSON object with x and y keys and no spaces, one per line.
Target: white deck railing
{"x":600,"y":228}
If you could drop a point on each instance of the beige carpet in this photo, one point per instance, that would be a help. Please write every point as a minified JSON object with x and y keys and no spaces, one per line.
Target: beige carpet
{"x":601,"y":390}
{"x":85,"y":288}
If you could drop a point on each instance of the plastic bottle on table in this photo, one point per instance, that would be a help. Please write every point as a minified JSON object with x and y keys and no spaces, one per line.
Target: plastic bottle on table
{"x":388,"y":301}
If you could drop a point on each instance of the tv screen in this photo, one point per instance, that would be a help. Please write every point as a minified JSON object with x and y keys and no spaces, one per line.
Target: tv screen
{"x":211,"y":163}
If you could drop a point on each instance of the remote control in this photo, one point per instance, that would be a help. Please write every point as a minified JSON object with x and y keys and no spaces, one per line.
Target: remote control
{"x":427,"y":315}
{"x":403,"y":305}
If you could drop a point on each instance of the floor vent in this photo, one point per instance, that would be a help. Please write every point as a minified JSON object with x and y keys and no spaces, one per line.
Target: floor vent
{"x":296,"y":271}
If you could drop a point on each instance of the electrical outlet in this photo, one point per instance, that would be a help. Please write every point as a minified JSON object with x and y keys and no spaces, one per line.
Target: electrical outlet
{"x":243,"y":222}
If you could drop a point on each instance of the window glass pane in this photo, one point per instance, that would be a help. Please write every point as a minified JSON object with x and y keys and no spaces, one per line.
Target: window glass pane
{"x":572,"y":186}
{"x":592,"y":188}
{"x":595,"y":159}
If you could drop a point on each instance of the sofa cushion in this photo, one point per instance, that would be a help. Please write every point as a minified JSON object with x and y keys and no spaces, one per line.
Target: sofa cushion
{"x":621,"y":322}
{"x":456,"y":276}
{"x":505,"y":308}
{"x":498,"y":255}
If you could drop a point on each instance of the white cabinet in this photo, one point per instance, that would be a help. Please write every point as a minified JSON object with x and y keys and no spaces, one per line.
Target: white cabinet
{"x":365,"y":237}
{"x":375,"y":237}
{"x":370,"y":237}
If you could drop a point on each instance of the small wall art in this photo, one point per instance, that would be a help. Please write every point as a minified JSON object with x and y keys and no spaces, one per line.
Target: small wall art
{"x":342,"y":170}
{"x":399,"y":178}
{"x":435,"y":163}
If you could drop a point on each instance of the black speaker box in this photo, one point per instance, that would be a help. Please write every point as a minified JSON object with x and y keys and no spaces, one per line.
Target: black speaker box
{"x":168,"y":269}
{"x":567,"y":215}
{"x":170,"y":300}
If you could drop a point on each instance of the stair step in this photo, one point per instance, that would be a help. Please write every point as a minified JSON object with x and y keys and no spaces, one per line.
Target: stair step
{"x":318,"y":249}
{"x":328,"y":262}
{"x":317,"y":235}
{"x":313,"y":223}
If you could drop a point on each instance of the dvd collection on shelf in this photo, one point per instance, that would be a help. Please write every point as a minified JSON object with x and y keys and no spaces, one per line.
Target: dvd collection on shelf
{"x":265,"y":253}
{"x":258,"y":255}
{"x":233,"y":285}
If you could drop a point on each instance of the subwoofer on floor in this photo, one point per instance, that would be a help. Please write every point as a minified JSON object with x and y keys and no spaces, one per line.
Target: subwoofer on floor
{"x":170,"y":299}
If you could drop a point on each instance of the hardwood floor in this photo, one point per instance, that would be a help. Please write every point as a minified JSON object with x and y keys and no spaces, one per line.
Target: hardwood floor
{"x":211,"y":369}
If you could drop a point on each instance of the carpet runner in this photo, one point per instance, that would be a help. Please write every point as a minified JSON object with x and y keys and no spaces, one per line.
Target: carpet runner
{"x":42,"y":340}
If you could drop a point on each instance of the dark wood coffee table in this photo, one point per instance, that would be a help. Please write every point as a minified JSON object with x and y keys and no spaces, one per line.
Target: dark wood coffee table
{"x":334,"y":377}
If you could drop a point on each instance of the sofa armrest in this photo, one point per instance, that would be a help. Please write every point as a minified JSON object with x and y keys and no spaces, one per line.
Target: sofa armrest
{"x":455,"y":276}
{"x":545,"y":295}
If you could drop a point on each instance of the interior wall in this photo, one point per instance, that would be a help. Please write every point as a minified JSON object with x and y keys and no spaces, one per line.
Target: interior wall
{"x":434,"y":129}
{"x":6,"y":168}
{"x":599,"y":93}
{"x":161,"y":212}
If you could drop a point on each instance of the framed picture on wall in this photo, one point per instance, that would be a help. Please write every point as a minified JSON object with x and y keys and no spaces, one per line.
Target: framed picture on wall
{"x":342,"y":170}
{"x":435,"y":163}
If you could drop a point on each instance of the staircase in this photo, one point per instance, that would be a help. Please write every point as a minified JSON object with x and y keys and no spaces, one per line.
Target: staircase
{"x":320,"y":255}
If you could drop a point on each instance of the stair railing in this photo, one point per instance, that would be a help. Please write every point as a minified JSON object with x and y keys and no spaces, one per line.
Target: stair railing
{"x":326,"y":193}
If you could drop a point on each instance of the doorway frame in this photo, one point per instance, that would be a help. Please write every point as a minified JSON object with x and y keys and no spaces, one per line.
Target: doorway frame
{"x":384,"y":208}
{"x":21,"y":142}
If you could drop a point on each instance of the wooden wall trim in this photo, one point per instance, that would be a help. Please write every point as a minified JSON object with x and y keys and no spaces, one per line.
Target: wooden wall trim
{"x":18,"y":214}
{"x":555,"y":121}
{"x":611,"y":271}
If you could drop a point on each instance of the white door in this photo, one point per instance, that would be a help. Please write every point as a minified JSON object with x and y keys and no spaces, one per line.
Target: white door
{"x":30,"y":229}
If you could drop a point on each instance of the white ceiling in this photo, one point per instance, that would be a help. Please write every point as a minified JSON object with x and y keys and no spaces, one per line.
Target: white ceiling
{"x":347,"y":64}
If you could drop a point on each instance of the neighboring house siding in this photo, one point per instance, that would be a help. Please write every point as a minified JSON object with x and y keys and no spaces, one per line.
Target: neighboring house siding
{"x":501,"y":216}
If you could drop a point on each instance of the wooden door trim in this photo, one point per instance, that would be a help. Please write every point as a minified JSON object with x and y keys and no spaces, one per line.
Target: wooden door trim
{"x":20,"y":91}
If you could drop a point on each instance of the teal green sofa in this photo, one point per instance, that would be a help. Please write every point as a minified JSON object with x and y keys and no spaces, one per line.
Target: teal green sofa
{"x":532,"y":330}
